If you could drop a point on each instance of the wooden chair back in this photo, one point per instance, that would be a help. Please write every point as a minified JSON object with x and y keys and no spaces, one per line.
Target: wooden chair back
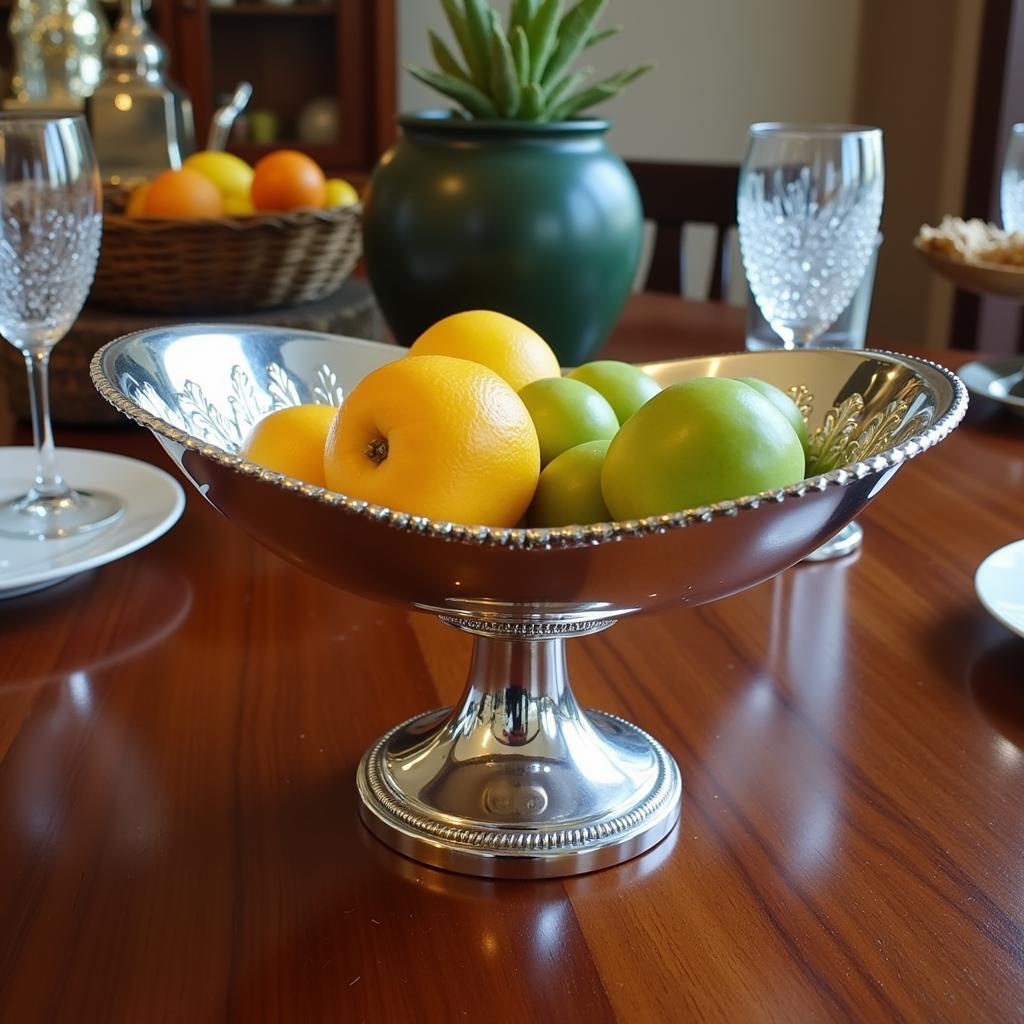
{"x":674,"y":195}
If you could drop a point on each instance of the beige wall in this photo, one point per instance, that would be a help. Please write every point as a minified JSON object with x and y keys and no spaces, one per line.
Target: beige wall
{"x":916,"y":80}
{"x":721,"y":65}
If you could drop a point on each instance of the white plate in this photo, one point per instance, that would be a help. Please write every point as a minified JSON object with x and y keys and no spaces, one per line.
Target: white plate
{"x":999,"y":582}
{"x":153,"y":502}
{"x":1002,"y":380}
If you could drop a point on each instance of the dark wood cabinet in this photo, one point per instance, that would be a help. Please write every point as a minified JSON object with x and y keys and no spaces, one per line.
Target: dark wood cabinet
{"x":293,"y":54}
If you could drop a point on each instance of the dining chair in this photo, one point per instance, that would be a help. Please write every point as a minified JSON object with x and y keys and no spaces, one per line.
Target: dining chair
{"x":675,"y":195}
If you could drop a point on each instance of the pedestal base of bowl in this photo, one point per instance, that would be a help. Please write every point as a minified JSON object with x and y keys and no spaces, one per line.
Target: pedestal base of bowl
{"x":518,"y":781}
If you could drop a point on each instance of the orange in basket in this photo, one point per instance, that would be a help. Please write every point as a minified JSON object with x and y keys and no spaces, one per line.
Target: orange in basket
{"x":287,"y":180}
{"x":182,"y":193}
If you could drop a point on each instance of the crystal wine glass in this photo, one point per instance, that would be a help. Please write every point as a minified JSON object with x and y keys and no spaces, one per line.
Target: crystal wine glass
{"x":50,"y":222}
{"x":810,"y":199}
{"x":809,"y":204}
{"x":1011,"y":185}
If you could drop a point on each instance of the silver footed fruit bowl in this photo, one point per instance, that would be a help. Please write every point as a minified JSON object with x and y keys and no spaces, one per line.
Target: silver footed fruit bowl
{"x":516,"y":779}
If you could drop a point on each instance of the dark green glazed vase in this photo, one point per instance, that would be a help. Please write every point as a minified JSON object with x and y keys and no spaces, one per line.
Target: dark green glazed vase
{"x":539,"y":221}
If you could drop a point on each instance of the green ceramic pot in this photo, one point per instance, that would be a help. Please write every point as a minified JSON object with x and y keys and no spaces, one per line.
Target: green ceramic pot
{"x":539,"y":221}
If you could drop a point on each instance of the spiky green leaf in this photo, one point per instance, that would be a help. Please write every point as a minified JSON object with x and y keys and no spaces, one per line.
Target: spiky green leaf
{"x":478,"y":19}
{"x":573,"y":32}
{"x":521,"y":54}
{"x":445,"y":60}
{"x":564,"y":86}
{"x":600,"y":37}
{"x":478,"y":103}
{"x":456,"y":15}
{"x":531,"y":107}
{"x":543,"y":36}
{"x":597,"y":93}
{"x":505,"y":88}
{"x":521,"y":13}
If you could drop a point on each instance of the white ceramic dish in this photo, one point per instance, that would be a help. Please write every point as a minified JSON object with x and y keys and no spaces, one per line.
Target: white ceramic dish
{"x":153,"y":502}
{"x":1001,"y":380}
{"x":999,"y":583}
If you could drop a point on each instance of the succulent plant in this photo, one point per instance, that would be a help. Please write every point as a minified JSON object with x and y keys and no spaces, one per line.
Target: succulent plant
{"x":523,"y":72}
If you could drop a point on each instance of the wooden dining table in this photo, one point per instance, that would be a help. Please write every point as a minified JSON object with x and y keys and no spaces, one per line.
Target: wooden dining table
{"x":179,"y":733}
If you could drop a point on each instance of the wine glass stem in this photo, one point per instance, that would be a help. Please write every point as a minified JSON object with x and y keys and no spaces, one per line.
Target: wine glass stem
{"x":49,"y":482}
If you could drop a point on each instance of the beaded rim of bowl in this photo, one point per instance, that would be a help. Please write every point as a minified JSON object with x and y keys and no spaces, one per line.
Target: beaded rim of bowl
{"x":533,"y":538}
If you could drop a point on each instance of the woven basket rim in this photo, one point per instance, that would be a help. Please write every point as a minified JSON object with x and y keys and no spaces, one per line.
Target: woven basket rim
{"x":242,"y":222}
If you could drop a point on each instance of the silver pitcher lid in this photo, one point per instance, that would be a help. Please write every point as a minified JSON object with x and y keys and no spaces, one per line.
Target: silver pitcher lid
{"x":134,"y":47}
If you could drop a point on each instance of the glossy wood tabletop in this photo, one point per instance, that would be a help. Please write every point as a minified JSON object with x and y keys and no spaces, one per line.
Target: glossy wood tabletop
{"x":179,"y":733}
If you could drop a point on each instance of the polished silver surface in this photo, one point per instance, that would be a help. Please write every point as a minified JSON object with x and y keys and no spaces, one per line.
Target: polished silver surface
{"x":224,"y":117}
{"x":141,"y":122}
{"x":517,"y":780}
{"x":845,"y":542}
{"x":202,"y":386}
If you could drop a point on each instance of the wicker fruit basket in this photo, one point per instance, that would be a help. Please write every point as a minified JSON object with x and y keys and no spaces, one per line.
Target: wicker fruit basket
{"x":228,"y":264}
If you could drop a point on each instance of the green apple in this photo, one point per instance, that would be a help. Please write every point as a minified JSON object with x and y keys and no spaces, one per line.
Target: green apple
{"x":569,"y":489}
{"x":626,"y":387}
{"x":699,"y":442}
{"x":785,"y":405}
{"x":567,"y":413}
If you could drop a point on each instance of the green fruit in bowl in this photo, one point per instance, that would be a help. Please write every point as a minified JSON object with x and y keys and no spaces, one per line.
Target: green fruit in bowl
{"x":569,"y":489}
{"x":785,"y":405}
{"x":567,"y":413}
{"x":626,"y":387}
{"x":697,"y":443}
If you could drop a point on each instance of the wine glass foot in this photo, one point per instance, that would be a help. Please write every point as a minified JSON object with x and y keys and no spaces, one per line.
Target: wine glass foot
{"x":845,"y":542}
{"x":36,"y":516}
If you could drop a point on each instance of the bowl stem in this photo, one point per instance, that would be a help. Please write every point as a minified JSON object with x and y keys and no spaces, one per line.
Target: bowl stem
{"x":518,"y":780}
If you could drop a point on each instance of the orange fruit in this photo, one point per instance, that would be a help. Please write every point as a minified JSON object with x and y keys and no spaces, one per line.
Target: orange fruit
{"x":182,"y":193}
{"x":439,"y":437}
{"x":291,"y":441}
{"x":137,"y":201}
{"x":515,"y":352}
{"x":287,"y":180}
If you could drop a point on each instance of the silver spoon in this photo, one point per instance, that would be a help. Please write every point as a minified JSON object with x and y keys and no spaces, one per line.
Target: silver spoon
{"x":224,"y":117}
